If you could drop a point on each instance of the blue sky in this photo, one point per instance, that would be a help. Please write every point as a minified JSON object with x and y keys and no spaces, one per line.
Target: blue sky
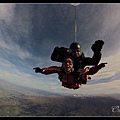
{"x":29,"y":32}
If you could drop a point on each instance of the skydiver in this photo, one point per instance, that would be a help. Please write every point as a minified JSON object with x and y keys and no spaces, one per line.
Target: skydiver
{"x":80,"y":61}
{"x":67,"y":75}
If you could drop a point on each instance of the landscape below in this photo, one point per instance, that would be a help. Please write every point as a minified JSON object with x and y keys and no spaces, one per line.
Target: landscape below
{"x":20,"y":101}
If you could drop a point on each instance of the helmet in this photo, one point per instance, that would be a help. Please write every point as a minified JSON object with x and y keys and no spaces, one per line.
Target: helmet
{"x":75,"y":45}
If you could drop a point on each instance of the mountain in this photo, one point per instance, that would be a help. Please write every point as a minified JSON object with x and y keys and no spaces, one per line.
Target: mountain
{"x":19,"y":101}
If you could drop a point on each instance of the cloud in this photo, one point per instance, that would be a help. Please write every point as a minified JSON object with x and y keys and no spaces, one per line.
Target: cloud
{"x":7,"y":12}
{"x":10,"y":34}
{"x":101,"y":88}
{"x":11,"y":73}
{"x":112,"y":68}
{"x":14,"y":49}
{"x":27,"y":77}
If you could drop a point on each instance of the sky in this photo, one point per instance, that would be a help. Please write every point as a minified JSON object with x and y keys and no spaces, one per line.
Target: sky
{"x":29,"y":32}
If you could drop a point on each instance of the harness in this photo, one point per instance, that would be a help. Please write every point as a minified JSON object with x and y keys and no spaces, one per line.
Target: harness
{"x":73,"y":80}
{"x":68,"y":80}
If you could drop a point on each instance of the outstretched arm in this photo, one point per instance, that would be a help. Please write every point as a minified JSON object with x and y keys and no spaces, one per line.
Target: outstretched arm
{"x":84,"y":73}
{"x":49,"y":70}
{"x":95,"y":69}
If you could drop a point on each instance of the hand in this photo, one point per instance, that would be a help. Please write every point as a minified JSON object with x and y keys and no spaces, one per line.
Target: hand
{"x":37,"y":69}
{"x":97,"y":46}
{"x":84,"y":71}
{"x":101,"y":65}
{"x":61,"y":49}
{"x":56,"y":49}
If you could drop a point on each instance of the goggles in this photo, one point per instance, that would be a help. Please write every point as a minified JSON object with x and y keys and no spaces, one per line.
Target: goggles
{"x":67,"y":61}
{"x":76,"y":50}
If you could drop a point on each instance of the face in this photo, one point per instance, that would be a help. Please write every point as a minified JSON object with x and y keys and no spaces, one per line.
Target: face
{"x":68,"y":65}
{"x":76,"y":53}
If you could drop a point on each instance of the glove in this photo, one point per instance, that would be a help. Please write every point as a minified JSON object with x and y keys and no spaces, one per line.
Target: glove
{"x":57,"y":49}
{"x":61,"y":49}
{"x":101,"y":65}
{"x":37,"y":69}
{"x":97,"y":46}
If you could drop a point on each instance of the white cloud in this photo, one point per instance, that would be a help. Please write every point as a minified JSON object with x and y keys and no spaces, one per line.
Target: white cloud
{"x":102,"y":88}
{"x":14,"y":49}
{"x":7,"y":12}
{"x":111,"y":69}
{"x":9,"y":72}
{"x":6,"y":43}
